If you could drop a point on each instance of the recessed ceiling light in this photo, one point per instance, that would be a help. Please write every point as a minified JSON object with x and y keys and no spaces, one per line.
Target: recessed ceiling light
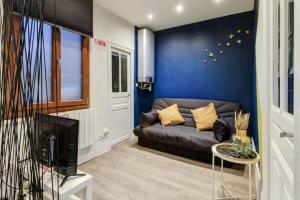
{"x":179,"y":8}
{"x":150,"y":16}
{"x":218,"y":1}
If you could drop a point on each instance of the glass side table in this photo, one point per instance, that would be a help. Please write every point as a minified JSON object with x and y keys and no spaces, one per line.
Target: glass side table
{"x":223,"y":151}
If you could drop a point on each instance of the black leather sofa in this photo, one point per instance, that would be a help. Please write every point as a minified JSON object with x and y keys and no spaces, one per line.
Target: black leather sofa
{"x":184,"y":139}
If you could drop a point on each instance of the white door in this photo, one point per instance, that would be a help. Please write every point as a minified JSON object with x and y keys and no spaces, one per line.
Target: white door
{"x":282,"y":125}
{"x":120,"y":106}
{"x":297,"y":100}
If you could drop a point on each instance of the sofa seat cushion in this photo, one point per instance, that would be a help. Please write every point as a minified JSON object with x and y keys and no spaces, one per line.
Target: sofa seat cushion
{"x":180,"y":136}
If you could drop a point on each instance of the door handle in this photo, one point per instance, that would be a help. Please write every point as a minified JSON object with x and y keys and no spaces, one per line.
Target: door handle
{"x":286,"y":134}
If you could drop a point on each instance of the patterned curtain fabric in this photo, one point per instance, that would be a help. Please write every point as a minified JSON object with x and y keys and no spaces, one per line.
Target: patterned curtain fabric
{"x":22,"y":97}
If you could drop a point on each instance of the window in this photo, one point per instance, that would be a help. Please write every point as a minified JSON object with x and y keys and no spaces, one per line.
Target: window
{"x":124,"y":70}
{"x":71,"y":73}
{"x":67,"y":68}
{"x":72,"y":60}
{"x":29,"y":61}
{"x":115,"y":72}
{"x":119,"y":72}
{"x":283,"y":56}
{"x":290,"y":71}
{"x":276,"y":56}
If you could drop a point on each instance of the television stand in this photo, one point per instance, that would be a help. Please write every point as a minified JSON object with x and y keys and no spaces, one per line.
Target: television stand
{"x":66,"y":177}
{"x":70,"y":188}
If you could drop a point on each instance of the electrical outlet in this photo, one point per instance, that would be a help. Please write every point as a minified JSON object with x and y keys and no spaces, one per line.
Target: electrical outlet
{"x":105,"y":132}
{"x":103,"y":135}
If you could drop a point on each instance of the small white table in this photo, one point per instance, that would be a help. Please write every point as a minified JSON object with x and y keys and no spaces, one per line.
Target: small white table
{"x":223,"y":157}
{"x":70,"y":187}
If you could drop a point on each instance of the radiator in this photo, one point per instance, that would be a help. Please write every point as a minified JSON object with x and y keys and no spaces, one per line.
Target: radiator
{"x":86,"y":125}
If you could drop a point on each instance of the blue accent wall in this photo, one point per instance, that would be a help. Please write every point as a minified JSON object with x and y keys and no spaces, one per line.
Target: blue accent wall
{"x":181,"y":73}
{"x":255,"y":108}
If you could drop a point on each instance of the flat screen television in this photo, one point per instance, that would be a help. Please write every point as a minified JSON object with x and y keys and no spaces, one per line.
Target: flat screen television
{"x":59,"y":141}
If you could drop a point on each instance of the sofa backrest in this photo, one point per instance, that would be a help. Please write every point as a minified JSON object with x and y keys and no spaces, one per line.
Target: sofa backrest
{"x":224,"y":109}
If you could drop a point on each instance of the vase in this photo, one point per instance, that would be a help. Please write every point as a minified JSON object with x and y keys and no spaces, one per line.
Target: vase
{"x":244,"y":137}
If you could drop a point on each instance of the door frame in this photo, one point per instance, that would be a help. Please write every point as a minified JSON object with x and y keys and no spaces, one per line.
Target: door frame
{"x":130,"y":52}
{"x":266,"y":101}
{"x":297,"y":98}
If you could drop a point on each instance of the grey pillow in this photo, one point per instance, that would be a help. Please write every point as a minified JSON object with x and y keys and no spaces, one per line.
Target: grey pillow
{"x":148,"y":119}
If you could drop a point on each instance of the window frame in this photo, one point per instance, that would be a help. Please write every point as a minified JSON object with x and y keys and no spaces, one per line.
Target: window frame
{"x":56,"y":76}
{"x":56,"y":104}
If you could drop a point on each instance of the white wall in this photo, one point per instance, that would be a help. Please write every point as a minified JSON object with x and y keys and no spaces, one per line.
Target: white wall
{"x":110,"y":28}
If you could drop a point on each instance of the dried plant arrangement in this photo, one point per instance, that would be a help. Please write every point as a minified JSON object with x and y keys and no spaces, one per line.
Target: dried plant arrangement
{"x":241,"y":125}
{"x":242,"y":121}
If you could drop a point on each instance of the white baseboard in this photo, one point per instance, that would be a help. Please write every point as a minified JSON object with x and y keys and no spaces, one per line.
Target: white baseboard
{"x":88,"y":153}
{"x":119,"y":140}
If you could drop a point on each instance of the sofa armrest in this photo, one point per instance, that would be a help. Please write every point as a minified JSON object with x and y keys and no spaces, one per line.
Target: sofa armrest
{"x":148,"y":119}
{"x":138,"y":130}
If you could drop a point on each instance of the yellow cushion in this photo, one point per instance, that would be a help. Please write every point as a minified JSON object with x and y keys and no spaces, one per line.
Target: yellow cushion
{"x":205,"y":117}
{"x":170,"y":116}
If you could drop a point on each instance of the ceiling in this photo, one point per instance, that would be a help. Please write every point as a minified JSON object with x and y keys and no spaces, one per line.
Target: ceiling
{"x":164,"y":11}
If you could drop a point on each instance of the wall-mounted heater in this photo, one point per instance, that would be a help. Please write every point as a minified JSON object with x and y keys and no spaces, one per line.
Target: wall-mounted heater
{"x":145,"y":59}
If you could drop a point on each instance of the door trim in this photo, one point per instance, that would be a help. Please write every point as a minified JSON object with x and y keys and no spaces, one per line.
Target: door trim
{"x":264,"y":14}
{"x":297,"y":98}
{"x":130,"y":52}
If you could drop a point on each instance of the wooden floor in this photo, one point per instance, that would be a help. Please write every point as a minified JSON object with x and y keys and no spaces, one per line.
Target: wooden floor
{"x":131,"y":172}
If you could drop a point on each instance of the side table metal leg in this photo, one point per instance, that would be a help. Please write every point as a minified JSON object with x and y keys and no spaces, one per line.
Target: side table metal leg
{"x":213,"y":176}
{"x":250,"y":182}
{"x":88,"y":193}
{"x":222,"y":176}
